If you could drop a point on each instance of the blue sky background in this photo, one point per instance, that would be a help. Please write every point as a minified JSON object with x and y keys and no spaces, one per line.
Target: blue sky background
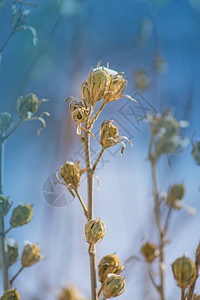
{"x":73,"y":36}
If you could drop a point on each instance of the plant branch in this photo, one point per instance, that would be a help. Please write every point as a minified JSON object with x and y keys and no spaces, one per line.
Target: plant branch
{"x":82,"y":203}
{"x":7,"y":41}
{"x":98,"y":158}
{"x":15,"y":276}
{"x":97,"y":114}
{"x":3,"y":244}
{"x":8,"y":230}
{"x":182,"y":294}
{"x":13,"y":130}
{"x":152,"y":279}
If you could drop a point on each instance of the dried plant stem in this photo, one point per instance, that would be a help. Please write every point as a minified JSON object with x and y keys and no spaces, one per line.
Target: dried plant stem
{"x":82,"y":203}
{"x":13,"y":130}
{"x":182,"y":294}
{"x":98,"y":158}
{"x":97,"y":113}
{"x":90,"y":179}
{"x":15,"y":276}
{"x":3,"y":245}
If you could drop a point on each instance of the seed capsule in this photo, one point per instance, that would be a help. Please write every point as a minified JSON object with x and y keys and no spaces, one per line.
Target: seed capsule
{"x":13,"y":251}
{"x":196,"y":152}
{"x":5,"y":121}
{"x":108,"y":134}
{"x":31,"y":255}
{"x":116,"y":89}
{"x":79,"y":110}
{"x":149,"y":251}
{"x":21,"y":215}
{"x":85,"y":91}
{"x":94,"y":231}
{"x":175,"y":195}
{"x":27,"y":106}
{"x":71,"y":174}
{"x":108,"y":264}
{"x":141,"y":80}
{"x":4,"y":205}
{"x":71,"y":293}
{"x":113,"y":286}
{"x":11,"y":295}
{"x":184,"y":270}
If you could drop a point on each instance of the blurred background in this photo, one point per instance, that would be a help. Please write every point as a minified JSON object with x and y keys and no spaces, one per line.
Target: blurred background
{"x":157,"y":45}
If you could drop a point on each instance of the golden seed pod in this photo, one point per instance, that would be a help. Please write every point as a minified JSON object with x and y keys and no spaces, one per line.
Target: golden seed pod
{"x":85,"y":91}
{"x":71,"y":174}
{"x":141,"y":80}
{"x":117,"y":87}
{"x":108,"y":133}
{"x":94,"y":231}
{"x":13,"y":251}
{"x":78,"y":110}
{"x":4,"y":205}
{"x":21,"y":215}
{"x":150,"y":251}
{"x":31,"y":255}
{"x":175,"y":195}
{"x":108,"y":264}
{"x":5,"y":121}
{"x":71,"y":293}
{"x":196,"y":152}
{"x":184,"y":270}
{"x":11,"y":295}
{"x":98,"y":83}
{"x":27,"y":106}
{"x":113,"y":286}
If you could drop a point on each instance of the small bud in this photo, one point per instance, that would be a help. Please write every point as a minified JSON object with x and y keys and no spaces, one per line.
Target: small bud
{"x":113,"y":286}
{"x":175,"y":195}
{"x":109,"y":264}
{"x":71,"y":174}
{"x":94,"y":231}
{"x":21,"y":215}
{"x":184,"y":270}
{"x":27,"y":106}
{"x":98,"y":83}
{"x":196,"y":152}
{"x":4,"y":205}
{"x":116,"y":89}
{"x":108,"y":134}
{"x":71,"y":293}
{"x":5,"y":121}
{"x":31,"y":255}
{"x":13,"y":251}
{"x":11,"y":295}
{"x":150,"y":252}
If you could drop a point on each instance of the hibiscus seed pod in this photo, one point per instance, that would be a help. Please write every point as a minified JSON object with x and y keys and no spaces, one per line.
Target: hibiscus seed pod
{"x":116,"y":89}
{"x":21,"y":215}
{"x":196,"y":152}
{"x":4,"y":205}
{"x":13,"y":251}
{"x":71,"y":174}
{"x":108,"y":133}
{"x":11,"y":295}
{"x":184,"y":270}
{"x":5,"y":121}
{"x":27,"y":106}
{"x":98,"y":83}
{"x":175,"y":195}
{"x":31,"y":255}
{"x":94,"y":231}
{"x":78,"y":109}
{"x":150,"y":251}
{"x":113,"y":286}
{"x":108,"y":264}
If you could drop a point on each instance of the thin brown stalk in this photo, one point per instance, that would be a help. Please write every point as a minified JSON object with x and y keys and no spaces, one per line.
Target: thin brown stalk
{"x":97,"y":114}
{"x":182,"y":294}
{"x":82,"y":203}
{"x":98,"y":158}
{"x":15,"y":276}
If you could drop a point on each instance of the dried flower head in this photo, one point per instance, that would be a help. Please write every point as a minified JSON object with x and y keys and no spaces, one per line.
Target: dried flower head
{"x":5,"y":121}
{"x":71,"y":174}
{"x":94,"y":231}
{"x":117,"y":86}
{"x":184,"y":270}
{"x":113,"y":286}
{"x":109,"y":264}
{"x":21,"y":215}
{"x":196,"y":152}
{"x":150,"y":251}
{"x":4,"y":205}
{"x":11,"y":295}
{"x":71,"y":293}
{"x":31,"y":255}
{"x":78,"y":110}
{"x":109,"y":135}
{"x":175,"y":196}
{"x":13,"y":251}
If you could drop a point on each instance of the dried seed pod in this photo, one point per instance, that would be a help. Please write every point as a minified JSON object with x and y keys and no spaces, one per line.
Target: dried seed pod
{"x":113,"y":286}
{"x":108,"y":134}
{"x":11,"y":295}
{"x":5,"y":121}
{"x":31,"y":255}
{"x":4,"y":205}
{"x":21,"y":215}
{"x":109,"y":264}
{"x":71,"y":293}
{"x":175,"y":195}
{"x":150,"y":251}
{"x":141,"y":80}
{"x":27,"y":106}
{"x":13,"y":251}
{"x":71,"y":174}
{"x":196,"y":152}
{"x":98,"y":83}
{"x":94,"y":231}
{"x":184,"y":270}
{"x":117,"y":87}
{"x":78,"y":110}
{"x":85,"y":91}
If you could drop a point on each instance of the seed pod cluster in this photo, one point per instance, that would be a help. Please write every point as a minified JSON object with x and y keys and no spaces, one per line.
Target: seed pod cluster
{"x":175,"y":195}
{"x":71,"y":174}
{"x":5,"y":121}
{"x":109,"y":264}
{"x":184,"y":270}
{"x":95,"y":230}
{"x":149,"y":251}
{"x":31,"y":255}
{"x":21,"y":215}
{"x":11,"y":295}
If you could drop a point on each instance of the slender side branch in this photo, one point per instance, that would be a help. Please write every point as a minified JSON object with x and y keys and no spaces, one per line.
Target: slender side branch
{"x":97,"y":114}
{"x":82,"y":203}
{"x":13,"y":130}
{"x":8,"y":230}
{"x":15,"y":276}
{"x":7,"y":41}
{"x":152,"y":279}
{"x":98,"y":158}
